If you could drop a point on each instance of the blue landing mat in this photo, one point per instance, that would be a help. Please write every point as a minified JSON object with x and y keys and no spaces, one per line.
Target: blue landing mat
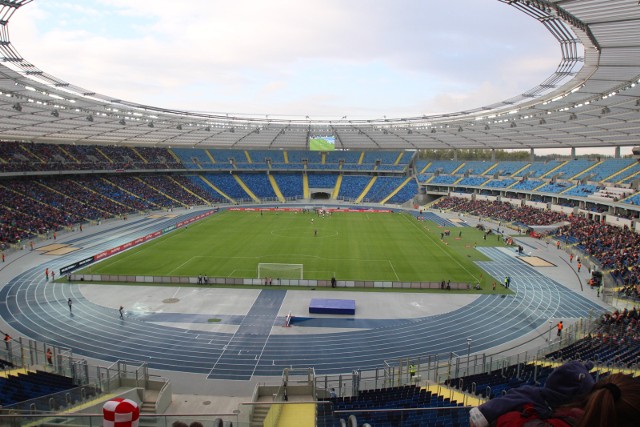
{"x":332,"y":306}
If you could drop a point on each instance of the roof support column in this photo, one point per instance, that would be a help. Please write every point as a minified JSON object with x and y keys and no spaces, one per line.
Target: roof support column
{"x":616,"y":154}
{"x":532,"y":155}
{"x":573,"y":153}
{"x":493,"y":154}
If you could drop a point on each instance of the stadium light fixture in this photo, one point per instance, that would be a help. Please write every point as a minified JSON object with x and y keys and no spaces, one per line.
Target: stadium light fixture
{"x":460,"y":129}
{"x":605,"y":110}
{"x":573,"y":116}
{"x":89,"y":118}
{"x":207,"y":129}
{"x":433,"y":130}
{"x":179,"y":127}
{"x":55,"y":113}
{"x":122,"y":122}
{"x":150,"y":124}
{"x":17,"y":106}
{"x":486,"y":127}
{"x":542,"y":121}
{"x":513,"y":124}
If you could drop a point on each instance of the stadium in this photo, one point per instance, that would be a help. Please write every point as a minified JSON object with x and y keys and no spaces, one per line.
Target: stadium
{"x":258,"y":270}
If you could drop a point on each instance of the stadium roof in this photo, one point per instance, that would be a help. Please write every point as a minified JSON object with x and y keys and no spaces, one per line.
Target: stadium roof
{"x":591,"y":100}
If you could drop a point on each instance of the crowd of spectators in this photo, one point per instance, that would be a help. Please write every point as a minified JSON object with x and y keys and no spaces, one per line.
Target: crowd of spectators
{"x":39,"y":206}
{"x":502,"y":211}
{"x":611,"y":246}
{"x":24,"y":157}
{"x":620,"y":329}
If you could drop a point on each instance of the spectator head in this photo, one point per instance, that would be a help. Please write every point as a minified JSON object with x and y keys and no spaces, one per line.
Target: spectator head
{"x":614,"y":401}
{"x":571,"y":380}
{"x":179,"y":424}
{"x":196,"y":424}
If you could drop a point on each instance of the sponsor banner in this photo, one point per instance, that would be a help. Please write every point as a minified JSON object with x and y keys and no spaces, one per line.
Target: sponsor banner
{"x":143,"y":239}
{"x":195,"y":218}
{"x":69,"y":268}
{"x":316,"y":208}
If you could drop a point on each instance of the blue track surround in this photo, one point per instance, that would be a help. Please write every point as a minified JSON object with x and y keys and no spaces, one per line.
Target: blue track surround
{"x":38,"y":310}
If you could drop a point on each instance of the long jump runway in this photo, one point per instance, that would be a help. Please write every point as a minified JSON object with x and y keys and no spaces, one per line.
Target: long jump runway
{"x":38,"y":309}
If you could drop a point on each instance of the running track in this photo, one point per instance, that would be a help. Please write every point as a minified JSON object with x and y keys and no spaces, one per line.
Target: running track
{"x":39,"y":310}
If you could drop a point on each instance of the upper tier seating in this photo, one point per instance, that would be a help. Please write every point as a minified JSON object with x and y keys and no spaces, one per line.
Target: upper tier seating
{"x":226,"y":156}
{"x":259,"y":185}
{"x":605,"y":169}
{"x":573,"y":168}
{"x":527,"y":185}
{"x":290,"y":184}
{"x":444,"y":179}
{"x":352,"y":186}
{"x":476,"y":167}
{"x":499,"y":183}
{"x":322,"y":180}
{"x":554,"y":187}
{"x":384,"y":157}
{"x":539,"y":169}
{"x":405,"y":194}
{"x":582,"y":190}
{"x":383,"y":186}
{"x":444,"y":166}
{"x":473,"y":181}
{"x":227,"y":184}
{"x":509,"y":168}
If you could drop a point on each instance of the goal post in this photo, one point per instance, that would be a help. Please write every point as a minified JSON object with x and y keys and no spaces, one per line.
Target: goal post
{"x":280,"y":271}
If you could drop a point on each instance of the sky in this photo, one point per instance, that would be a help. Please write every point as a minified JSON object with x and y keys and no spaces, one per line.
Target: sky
{"x":326,"y":59}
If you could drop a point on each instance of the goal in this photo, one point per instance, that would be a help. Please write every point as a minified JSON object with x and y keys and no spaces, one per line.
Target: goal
{"x":280,"y":271}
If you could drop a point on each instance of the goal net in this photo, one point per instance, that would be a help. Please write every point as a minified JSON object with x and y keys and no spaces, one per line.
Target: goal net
{"x":280,"y":271}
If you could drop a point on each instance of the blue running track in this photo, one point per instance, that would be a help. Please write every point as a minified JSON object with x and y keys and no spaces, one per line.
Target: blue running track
{"x":38,"y":309}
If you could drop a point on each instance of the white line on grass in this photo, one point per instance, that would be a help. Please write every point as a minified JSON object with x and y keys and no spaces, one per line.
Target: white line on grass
{"x":394,"y":270}
{"x":429,"y":236}
{"x":183,"y":264}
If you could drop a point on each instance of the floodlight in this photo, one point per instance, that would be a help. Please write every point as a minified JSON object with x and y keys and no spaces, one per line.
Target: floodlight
{"x":572,"y":116}
{"x":542,"y":121}
{"x":89,"y":118}
{"x":179,"y":127}
{"x":122,"y":122}
{"x":150,"y":124}
{"x":605,"y":110}
{"x":55,"y":113}
{"x":17,"y":106}
{"x":486,"y":127}
{"x":460,"y":129}
{"x":433,"y":130}
{"x":207,"y":129}
{"x":513,"y":124}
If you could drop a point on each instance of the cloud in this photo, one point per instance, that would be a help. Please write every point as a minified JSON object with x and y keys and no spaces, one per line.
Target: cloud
{"x":319,"y":57}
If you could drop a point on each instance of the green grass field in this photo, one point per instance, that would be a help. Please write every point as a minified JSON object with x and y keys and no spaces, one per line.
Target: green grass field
{"x":351,"y":246}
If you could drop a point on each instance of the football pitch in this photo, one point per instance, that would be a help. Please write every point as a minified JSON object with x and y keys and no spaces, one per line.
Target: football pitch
{"x":347,"y":245}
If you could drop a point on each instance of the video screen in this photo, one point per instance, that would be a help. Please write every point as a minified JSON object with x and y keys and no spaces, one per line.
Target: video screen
{"x":322,"y":143}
